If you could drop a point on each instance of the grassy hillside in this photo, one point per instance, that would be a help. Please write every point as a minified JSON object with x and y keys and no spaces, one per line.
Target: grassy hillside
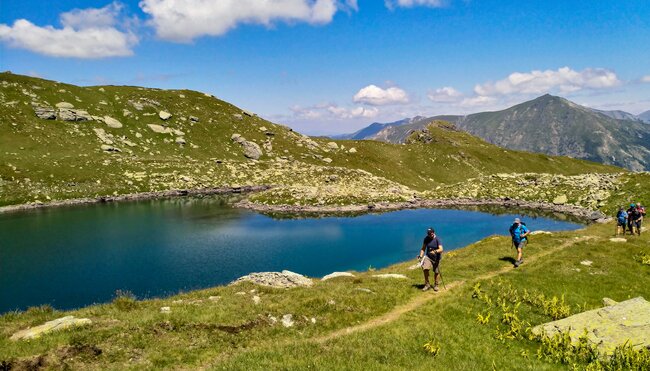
{"x":362,"y":322}
{"x":43,"y":160}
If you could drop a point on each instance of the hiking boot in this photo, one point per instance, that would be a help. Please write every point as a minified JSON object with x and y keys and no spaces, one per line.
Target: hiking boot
{"x":517,"y":263}
{"x":435,"y":287}
{"x":426,"y":287}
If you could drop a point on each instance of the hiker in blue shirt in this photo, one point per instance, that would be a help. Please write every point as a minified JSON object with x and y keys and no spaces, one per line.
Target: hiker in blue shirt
{"x":519,"y":233}
{"x":621,"y":220}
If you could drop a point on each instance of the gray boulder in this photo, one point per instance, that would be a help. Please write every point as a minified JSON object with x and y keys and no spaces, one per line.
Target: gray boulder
{"x":251,"y":150}
{"x":64,"y":105}
{"x":284,"y":279}
{"x":164,"y":115}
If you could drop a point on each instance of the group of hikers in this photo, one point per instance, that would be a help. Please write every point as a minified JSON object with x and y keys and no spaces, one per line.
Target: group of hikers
{"x":630,"y":218}
{"x":431,"y":252}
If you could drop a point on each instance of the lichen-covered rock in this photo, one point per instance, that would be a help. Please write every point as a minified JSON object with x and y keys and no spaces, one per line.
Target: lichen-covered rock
{"x":284,"y":279}
{"x":608,"y":327}
{"x":51,"y":326}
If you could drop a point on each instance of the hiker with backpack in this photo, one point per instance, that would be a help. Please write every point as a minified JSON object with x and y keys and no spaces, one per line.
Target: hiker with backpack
{"x":519,"y":233}
{"x":635,"y":217}
{"x":632,"y":215}
{"x":621,"y":220}
{"x":430,"y":256}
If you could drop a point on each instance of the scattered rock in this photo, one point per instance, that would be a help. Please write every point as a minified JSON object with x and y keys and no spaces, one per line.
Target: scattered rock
{"x":390,"y":275}
{"x":51,"y":326}
{"x":237,"y":116}
{"x":159,"y":129}
{"x":287,"y":320}
{"x":332,"y":145}
{"x":618,"y":239}
{"x":539,"y":232}
{"x":327,"y":160}
{"x":165,"y":310}
{"x":64,"y":105}
{"x":194,"y":119}
{"x":214,"y":298}
{"x":352,"y":150}
{"x":588,"y":263}
{"x":331,"y":302}
{"x":364,"y":290}
{"x":248,"y":113}
{"x":560,"y":200}
{"x":284,"y":279}
{"x":112,"y":123}
{"x":164,"y":115}
{"x":627,"y":322}
{"x":180,"y":140}
{"x":337,"y":274}
{"x":256,"y":300}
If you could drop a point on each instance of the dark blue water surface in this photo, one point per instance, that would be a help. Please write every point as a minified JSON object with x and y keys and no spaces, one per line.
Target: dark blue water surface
{"x":75,"y":256}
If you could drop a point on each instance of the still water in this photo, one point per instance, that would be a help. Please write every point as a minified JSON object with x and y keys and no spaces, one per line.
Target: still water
{"x":75,"y":256}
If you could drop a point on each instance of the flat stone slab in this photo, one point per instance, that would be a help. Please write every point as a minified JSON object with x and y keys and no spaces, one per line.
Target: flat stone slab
{"x":284,"y":279}
{"x":391,"y":275}
{"x":618,"y":239}
{"x":51,"y":326}
{"x":337,"y":274}
{"x":608,"y":327}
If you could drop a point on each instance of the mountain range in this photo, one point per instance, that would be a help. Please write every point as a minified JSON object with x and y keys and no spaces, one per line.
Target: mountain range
{"x":548,"y":124}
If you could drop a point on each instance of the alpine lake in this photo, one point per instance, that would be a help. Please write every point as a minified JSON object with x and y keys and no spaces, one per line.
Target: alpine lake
{"x":69,"y":257}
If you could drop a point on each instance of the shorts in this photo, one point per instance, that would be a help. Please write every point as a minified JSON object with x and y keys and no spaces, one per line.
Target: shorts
{"x":521,"y":244}
{"x":622,"y":224}
{"x":637,"y":225}
{"x":428,"y":264}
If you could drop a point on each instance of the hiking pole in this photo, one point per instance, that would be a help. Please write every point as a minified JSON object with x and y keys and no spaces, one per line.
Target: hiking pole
{"x":441,"y":278}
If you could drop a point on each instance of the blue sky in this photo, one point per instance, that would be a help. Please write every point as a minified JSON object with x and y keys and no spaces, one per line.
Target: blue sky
{"x":333,"y":66}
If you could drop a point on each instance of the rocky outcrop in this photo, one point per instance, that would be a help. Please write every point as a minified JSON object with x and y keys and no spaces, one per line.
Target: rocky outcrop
{"x":68,"y":114}
{"x":64,"y":105}
{"x":51,"y":326}
{"x":284,"y":279}
{"x":44,"y":112}
{"x":627,"y":322}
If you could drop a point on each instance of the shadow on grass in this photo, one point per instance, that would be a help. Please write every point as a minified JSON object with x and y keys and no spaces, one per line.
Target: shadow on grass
{"x":508,"y":259}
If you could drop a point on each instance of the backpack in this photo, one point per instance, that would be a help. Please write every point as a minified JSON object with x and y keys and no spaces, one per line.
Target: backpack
{"x":641,"y":210}
{"x":515,"y":231}
{"x":622,"y":216}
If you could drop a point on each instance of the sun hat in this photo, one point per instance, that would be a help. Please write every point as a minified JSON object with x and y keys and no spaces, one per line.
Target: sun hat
{"x":517,"y":220}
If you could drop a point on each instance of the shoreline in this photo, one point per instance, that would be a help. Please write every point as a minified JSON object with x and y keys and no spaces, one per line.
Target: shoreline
{"x":133,"y":197}
{"x":572,"y":210}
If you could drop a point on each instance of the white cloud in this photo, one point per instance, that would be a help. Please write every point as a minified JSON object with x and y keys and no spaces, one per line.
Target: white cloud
{"x":392,"y":4}
{"x":477,"y":101}
{"x":445,"y":94}
{"x":331,"y":111}
{"x":184,"y":20}
{"x":86,"y":33}
{"x":564,"y":80}
{"x":376,"y":96}
{"x":646,"y":78}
